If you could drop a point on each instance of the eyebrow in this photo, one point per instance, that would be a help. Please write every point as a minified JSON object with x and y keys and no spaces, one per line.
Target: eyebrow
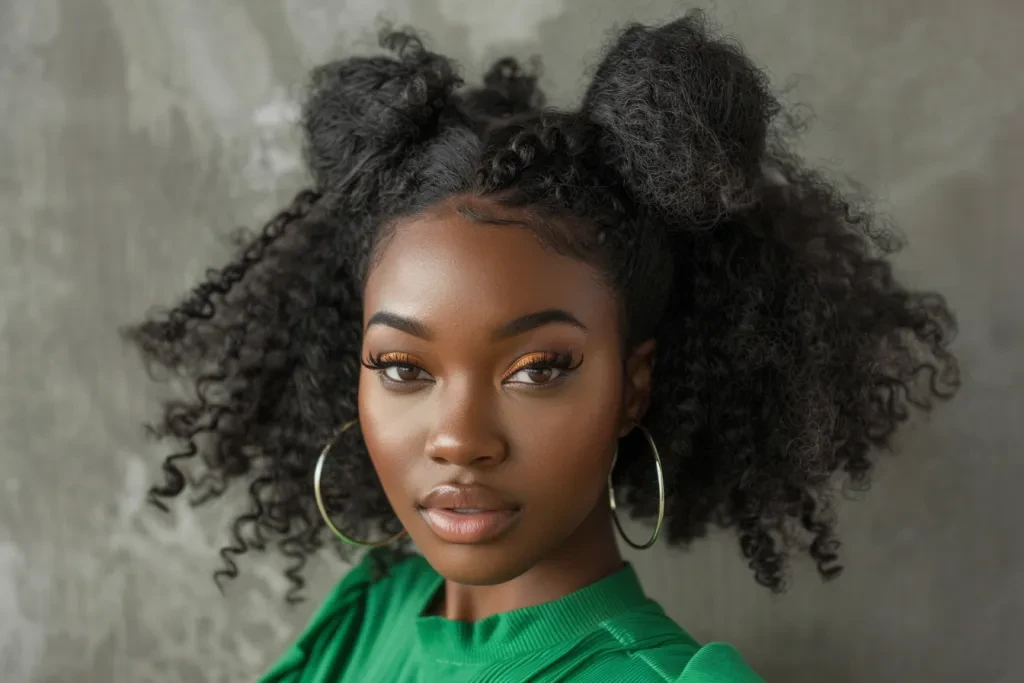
{"x":400,"y":323}
{"x":513,"y":328}
{"x":532,"y":321}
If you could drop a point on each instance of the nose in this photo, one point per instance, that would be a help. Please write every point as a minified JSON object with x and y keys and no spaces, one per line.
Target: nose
{"x":467,"y":433}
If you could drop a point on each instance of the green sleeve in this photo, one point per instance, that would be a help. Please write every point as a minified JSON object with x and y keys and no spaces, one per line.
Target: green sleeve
{"x":327,"y":640}
{"x":718,"y":663}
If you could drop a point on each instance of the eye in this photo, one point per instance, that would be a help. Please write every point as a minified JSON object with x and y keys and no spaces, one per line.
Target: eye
{"x":397,"y":369}
{"x":541,"y":369}
{"x":536,"y":375}
{"x":403,"y":373}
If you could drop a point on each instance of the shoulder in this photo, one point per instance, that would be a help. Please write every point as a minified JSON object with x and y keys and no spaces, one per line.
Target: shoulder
{"x":675,"y":663}
{"x":718,"y":663}
{"x":647,"y":646}
{"x":367,"y":600}
{"x":382,"y":575}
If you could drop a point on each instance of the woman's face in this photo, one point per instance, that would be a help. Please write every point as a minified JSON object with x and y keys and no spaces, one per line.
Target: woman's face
{"x":494,"y":363}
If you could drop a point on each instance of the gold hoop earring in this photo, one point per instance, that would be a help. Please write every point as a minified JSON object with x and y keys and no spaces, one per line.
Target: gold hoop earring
{"x":323,"y":509}
{"x":661,"y":494}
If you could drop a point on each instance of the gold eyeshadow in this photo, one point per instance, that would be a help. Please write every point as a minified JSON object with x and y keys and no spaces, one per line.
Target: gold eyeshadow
{"x":544,"y":359}
{"x":397,"y":358}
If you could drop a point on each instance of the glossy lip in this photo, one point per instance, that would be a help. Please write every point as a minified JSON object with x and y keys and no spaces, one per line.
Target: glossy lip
{"x":469,"y":528}
{"x":468,"y":514}
{"x":455,"y":496}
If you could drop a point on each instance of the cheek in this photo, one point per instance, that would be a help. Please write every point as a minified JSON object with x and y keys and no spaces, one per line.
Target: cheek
{"x":570,"y":441}
{"x":389,"y":438}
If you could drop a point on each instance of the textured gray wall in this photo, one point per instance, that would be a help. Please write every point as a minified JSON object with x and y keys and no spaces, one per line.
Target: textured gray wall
{"x":135,"y":133}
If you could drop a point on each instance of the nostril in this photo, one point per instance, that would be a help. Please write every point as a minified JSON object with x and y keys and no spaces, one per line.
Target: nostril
{"x":475,"y":452}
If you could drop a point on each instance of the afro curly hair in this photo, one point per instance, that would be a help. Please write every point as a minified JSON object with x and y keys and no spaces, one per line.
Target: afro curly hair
{"x":787,"y":353}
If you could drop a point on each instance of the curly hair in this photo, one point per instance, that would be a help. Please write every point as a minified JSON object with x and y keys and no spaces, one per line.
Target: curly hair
{"x":787,"y":353}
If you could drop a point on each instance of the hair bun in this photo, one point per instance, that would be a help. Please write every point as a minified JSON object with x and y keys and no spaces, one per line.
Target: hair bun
{"x":508,"y":90}
{"x":685,"y":117}
{"x":363,"y":109}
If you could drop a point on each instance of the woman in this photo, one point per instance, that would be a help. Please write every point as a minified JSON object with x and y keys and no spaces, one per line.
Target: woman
{"x":491,"y":328}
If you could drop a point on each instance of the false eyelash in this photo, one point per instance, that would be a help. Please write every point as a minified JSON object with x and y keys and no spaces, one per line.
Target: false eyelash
{"x":372,"y":362}
{"x":557,"y":361}
{"x":553,"y":361}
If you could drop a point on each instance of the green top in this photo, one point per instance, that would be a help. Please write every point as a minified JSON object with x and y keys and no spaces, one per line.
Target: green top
{"x":373,"y":630}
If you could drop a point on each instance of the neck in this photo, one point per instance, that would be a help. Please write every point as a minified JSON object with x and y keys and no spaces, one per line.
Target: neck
{"x":589,"y":555}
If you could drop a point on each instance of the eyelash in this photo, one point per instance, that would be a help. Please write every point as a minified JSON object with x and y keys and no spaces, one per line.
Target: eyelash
{"x":551,"y":360}
{"x":397,"y":360}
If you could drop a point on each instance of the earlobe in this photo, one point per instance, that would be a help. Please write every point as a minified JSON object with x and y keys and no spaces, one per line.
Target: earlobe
{"x":639,"y":374}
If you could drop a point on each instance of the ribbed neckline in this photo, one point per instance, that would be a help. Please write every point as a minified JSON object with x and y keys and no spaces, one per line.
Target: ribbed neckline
{"x":529,"y":628}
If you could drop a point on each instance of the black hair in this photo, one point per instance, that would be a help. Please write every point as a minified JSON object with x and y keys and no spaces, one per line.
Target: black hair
{"x":787,"y":353}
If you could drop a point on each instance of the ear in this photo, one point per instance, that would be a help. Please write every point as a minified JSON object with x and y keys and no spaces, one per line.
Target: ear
{"x":637,"y":389}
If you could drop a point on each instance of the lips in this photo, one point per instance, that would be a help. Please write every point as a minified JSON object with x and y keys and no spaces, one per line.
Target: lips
{"x":474,"y":498}
{"x":468,"y":514}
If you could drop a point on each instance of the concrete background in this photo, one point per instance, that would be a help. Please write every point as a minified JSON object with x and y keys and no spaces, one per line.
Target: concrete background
{"x":134,"y":134}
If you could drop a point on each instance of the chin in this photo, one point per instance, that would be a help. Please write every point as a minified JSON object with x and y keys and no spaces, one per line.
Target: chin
{"x":476,"y":564}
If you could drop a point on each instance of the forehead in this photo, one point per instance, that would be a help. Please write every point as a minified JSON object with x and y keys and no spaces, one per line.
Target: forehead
{"x":443,"y":263}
